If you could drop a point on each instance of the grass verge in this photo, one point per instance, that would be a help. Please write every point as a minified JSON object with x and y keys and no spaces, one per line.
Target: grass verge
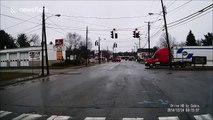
{"x":13,"y":75}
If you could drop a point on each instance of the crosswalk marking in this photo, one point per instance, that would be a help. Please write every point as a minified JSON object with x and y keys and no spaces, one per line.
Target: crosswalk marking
{"x":132,"y":119}
{"x":203,"y":117}
{"x":169,"y":118}
{"x":27,"y":117}
{"x":4,"y":113}
{"x":95,"y":118}
{"x":55,"y":117}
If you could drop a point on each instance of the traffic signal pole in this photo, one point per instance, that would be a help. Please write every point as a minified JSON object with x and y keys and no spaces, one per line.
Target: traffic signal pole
{"x":87,"y":46}
{"x":99,"y":50}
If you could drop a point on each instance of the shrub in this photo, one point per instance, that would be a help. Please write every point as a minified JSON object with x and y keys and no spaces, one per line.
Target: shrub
{"x":67,"y":62}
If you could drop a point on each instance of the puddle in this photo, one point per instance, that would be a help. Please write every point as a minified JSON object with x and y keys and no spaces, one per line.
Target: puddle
{"x":160,"y":101}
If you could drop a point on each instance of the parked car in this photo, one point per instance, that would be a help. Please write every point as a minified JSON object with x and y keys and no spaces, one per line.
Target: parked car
{"x":116,"y":59}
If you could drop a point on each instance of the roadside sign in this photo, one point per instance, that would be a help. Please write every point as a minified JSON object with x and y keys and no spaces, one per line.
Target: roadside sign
{"x":59,"y":42}
{"x":59,"y":55}
{"x":34,"y":54}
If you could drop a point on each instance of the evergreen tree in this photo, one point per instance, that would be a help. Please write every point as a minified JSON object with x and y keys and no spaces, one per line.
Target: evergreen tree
{"x":22,"y":40}
{"x":208,"y":39}
{"x":6,"y":41}
{"x":190,"y":40}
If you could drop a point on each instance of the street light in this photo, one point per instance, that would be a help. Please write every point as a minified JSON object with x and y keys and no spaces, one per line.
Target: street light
{"x":154,"y":14}
{"x":44,"y":41}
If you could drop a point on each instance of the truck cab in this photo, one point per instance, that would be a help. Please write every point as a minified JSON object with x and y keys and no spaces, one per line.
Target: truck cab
{"x":159,"y":58}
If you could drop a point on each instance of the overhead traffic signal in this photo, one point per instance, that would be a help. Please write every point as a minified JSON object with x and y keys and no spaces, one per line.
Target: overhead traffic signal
{"x":134,"y":34}
{"x":112,"y":34}
{"x":96,"y":43}
{"x":116,"y":35}
{"x":137,"y":34}
{"x":115,"y":45}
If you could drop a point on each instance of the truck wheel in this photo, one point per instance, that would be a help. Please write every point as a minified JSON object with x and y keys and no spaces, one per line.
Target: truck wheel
{"x":151,"y":66}
{"x":183,"y":66}
{"x":188,"y":64}
{"x":176,"y":66}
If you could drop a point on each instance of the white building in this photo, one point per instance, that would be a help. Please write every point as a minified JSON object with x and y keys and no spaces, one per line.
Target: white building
{"x":29,"y":56}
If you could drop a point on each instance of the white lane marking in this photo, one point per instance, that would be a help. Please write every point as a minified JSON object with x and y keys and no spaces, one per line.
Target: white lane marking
{"x":203,"y":117}
{"x":132,"y":118}
{"x":55,"y":117}
{"x":169,"y":118}
{"x":95,"y":118}
{"x":4,"y":113}
{"x":28,"y":117}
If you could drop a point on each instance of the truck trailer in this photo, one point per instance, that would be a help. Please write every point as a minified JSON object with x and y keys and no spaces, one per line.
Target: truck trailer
{"x":182,"y":56}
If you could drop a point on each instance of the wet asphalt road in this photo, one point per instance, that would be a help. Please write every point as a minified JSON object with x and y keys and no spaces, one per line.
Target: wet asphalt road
{"x":114,"y":91}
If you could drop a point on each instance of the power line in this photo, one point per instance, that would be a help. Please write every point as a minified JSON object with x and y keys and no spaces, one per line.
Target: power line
{"x":186,"y":19}
{"x":190,"y":16}
{"x":179,"y":6}
{"x":86,"y":23}
{"x":107,"y":18}
{"x":12,"y":9}
{"x":23,"y":21}
{"x":33,"y":30}
{"x":27,"y":29}
{"x":57,"y":25}
{"x":55,"y":30}
{"x":171,"y":4}
{"x":18,"y":18}
{"x":189,"y":20}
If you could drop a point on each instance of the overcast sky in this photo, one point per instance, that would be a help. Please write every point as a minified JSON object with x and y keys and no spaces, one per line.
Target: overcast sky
{"x":102,"y":16}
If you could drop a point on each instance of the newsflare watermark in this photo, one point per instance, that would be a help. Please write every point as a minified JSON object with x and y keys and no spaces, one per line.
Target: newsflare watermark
{"x":27,"y":10}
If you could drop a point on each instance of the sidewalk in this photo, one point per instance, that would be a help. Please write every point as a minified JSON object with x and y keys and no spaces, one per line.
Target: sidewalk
{"x":53,"y":71}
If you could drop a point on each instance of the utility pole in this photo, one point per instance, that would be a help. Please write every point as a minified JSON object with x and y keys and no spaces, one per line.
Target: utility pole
{"x":107,"y":54}
{"x":167,"y":37}
{"x":99,"y":51}
{"x":87,"y":46}
{"x":45,"y":41}
{"x":149,"y":37}
{"x":42,"y":45}
{"x":139,"y":41}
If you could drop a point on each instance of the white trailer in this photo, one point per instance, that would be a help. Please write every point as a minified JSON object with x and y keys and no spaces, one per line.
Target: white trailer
{"x":193,"y":54}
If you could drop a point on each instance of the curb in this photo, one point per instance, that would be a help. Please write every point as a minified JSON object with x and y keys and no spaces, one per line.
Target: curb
{"x":18,"y":80}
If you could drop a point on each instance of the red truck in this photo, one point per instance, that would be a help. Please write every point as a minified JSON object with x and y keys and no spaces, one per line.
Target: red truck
{"x":160,"y":57}
{"x":182,"y":56}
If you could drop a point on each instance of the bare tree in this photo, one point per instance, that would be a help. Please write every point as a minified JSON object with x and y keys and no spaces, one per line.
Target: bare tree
{"x":34,"y":40}
{"x":83,"y":43}
{"x":181,"y":44}
{"x":73,"y":40}
{"x":163,"y":42}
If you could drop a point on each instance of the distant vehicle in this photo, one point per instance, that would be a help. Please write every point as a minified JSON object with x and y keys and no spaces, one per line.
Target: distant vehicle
{"x":131,"y":58}
{"x":182,"y":56}
{"x":92,"y":60}
{"x":116,"y":59}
